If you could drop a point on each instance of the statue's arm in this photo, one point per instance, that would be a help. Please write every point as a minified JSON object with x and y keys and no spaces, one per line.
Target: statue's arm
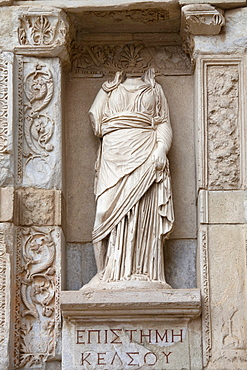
{"x":164,"y":130}
{"x":96,"y":111}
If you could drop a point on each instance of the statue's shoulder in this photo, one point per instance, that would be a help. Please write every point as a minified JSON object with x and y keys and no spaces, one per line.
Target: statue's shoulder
{"x":109,"y":86}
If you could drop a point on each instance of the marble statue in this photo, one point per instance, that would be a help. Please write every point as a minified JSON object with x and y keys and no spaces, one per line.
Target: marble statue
{"x":134,"y":209}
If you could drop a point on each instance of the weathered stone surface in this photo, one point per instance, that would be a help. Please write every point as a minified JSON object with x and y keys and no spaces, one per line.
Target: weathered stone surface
{"x":227,"y":282}
{"x":180,"y":263}
{"x":81,"y":257}
{"x":6,"y":298}
{"x":6,"y":204}
{"x":38,"y":207}
{"x":232,"y":40}
{"x":223,"y":207}
{"x":220,"y":123}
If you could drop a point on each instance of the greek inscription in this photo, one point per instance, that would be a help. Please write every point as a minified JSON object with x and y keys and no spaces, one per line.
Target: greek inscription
{"x":117,"y":336}
{"x":132,"y":362}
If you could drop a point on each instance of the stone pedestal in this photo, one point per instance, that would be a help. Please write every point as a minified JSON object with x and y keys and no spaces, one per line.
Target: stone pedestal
{"x":142,"y":329}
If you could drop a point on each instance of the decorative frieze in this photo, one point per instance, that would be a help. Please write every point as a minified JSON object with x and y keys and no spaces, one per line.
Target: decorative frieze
{"x":91,"y":59}
{"x":38,"y":207}
{"x":142,"y":16}
{"x":37,"y":295}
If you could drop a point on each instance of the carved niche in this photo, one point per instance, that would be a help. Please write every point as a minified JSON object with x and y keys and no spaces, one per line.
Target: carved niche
{"x":37,"y":296}
{"x":90,"y":59}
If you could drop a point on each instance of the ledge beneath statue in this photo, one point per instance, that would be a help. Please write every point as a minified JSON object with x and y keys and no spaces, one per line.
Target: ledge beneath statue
{"x":127,"y":305}
{"x":117,"y":329}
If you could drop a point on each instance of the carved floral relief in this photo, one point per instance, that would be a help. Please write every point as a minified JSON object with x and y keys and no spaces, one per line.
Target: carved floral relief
{"x":41,"y":30}
{"x":37,"y":294}
{"x":107,"y":59}
{"x":223,"y":136}
{"x":37,"y":125}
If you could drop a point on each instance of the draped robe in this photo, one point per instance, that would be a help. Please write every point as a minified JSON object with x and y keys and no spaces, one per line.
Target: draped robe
{"x":134,"y":210}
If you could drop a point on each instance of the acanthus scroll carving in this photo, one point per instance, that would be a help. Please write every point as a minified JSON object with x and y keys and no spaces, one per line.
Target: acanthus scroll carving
{"x":38,"y":284}
{"x":38,"y":127}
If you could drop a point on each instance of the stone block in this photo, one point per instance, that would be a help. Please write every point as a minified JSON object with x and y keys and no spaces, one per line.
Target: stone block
{"x":6,"y":204}
{"x":223,"y":268}
{"x":232,"y":41}
{"x":223,"y":207}
{"x":119,"y":329}
{"x":180,"y":263}
{"x":38,"y":207}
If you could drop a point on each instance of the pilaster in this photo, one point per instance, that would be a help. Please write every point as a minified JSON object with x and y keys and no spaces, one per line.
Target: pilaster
{"x":31,"y":147}
{"x":220,"y":116}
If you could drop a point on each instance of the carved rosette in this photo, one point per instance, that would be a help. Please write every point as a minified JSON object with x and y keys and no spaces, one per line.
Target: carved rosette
{"x":223,"y":127}
{"x":199,"y":19}
{"x":107,"y":59}
{"x":37,"y":294}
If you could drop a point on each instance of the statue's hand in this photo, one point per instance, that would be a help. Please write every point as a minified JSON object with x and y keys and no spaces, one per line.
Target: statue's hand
{"x":159,"y":157}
